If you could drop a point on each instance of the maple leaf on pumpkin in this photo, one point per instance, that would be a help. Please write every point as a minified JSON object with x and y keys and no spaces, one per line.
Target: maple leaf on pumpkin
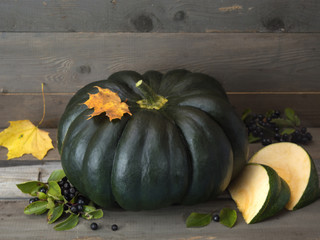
{"x":23,"y":137}
{"x":107,"y":101}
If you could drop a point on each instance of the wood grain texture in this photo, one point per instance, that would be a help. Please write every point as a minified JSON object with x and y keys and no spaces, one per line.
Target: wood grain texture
{"x":10,"y":176}
{"x":29,"y":106}
{"x":159,"y":16}
{"x":167,"y":223}
{"x":242,"y":62}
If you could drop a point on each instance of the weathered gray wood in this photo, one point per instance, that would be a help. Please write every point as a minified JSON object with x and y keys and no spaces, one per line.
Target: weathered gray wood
{"x":167,"y":223}
{"x":159,"y":16}
{"x":242,"y":62}
{"x":29,"y":106}
{"x":10,"y":176}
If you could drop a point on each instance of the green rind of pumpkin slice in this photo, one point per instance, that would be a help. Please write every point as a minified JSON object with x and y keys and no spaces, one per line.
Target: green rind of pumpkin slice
{"x":259,"y":193}
{"x":296,"y":167}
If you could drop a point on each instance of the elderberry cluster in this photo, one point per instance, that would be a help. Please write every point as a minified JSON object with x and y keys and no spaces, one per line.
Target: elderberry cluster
{"x":69,"y":192}
{"x":273,"y":127}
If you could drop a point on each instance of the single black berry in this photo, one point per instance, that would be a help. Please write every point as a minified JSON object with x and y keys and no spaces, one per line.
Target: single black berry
{"x":81,"y":201}
{"x":61,"y":183}
{"x":277,"y":136}
{"x":65,"y":192}
{"x":64,"y":179}
{"x":216,"y":218}
{"x":67,"y":197}
{"x":71,"y":195}
{"x":31,"y":200}
{"x":309,"y":136}
{"x":94,"y":226}
{"x":285,"y":137}
{"x":74,"y":209}
{"x":303,"y":130}
{"x":43,"y":190}
{"x":114,"y":227}
{"x":72,"y":190}
{"x":66,"y":185}
{"x":65,"y":207}
{"x":80,"y":208}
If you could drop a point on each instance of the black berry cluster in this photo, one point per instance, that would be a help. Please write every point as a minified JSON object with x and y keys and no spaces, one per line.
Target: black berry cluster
{"x":273,"y":127}
{"x":69,"y":193}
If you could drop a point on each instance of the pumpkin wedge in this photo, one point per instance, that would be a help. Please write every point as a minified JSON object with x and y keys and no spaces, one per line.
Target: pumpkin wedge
{"x":259,"y":193}
{"x":296,"y":167}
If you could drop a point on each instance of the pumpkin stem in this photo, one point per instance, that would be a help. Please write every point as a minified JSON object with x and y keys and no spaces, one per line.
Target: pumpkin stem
{"x":151,"y":99}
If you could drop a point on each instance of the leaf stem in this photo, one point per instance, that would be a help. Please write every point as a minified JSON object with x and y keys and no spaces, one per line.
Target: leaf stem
{"x":44,"y":106}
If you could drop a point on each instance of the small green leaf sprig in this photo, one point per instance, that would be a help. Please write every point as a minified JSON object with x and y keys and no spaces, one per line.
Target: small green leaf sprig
{"x":55,"y":204}
{"x":227,"y":217}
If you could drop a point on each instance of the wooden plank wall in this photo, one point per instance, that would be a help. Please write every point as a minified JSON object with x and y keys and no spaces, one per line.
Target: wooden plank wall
{"x":265,"y":53}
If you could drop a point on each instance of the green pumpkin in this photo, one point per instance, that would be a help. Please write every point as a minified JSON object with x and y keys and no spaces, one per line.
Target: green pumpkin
{"x":182,"y":145}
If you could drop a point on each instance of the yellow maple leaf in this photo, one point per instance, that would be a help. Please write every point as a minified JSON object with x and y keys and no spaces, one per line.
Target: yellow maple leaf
{"x":22,"y":137}
{"x":107,"y":101}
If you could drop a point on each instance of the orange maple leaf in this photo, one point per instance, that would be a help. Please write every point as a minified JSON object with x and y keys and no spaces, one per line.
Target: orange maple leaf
{"x":107,"y":101}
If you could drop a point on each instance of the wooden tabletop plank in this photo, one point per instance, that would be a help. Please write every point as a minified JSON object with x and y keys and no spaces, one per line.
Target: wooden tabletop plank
{"x":159,"y":16}
{"x":167,"y":223}
{"x":247,"y":62}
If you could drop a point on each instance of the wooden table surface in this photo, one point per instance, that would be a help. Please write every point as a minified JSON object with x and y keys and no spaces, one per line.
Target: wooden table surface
{"x":167,"y":223}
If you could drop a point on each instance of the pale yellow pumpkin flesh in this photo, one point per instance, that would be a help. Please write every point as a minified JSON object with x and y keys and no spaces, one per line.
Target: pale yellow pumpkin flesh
{"x":292,"y":163}
{"x":250,"y":191}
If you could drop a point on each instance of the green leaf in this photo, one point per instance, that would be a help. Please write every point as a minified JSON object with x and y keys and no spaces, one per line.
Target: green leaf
{"x":51,"y":203}
{"x":37,"y":208}
{"x":90,"y":212}
{"x":269,"y":113}
{"x":56,"y":175}
{"x":253,"y":139}
{"x":297,"y":121}
{"x":42,"y":196}
{"x":198,"y":220}
{"x":55,"y":213}
{"x":287,"y":131}
{"x":245,"y":114}
{"x":69,"y":223}
{"x":291,"y":115}
{"x":289,"y":112}
{"x":87,"y":208}
{"x":96,"y":214}
{"x":31,"y":187}
{"x":228,"y":217}
{"x":282,"y":122}
{"x":54,"y":190}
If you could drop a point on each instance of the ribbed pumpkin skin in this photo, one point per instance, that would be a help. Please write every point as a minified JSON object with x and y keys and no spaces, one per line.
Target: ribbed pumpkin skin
{"x":185,"y":153}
